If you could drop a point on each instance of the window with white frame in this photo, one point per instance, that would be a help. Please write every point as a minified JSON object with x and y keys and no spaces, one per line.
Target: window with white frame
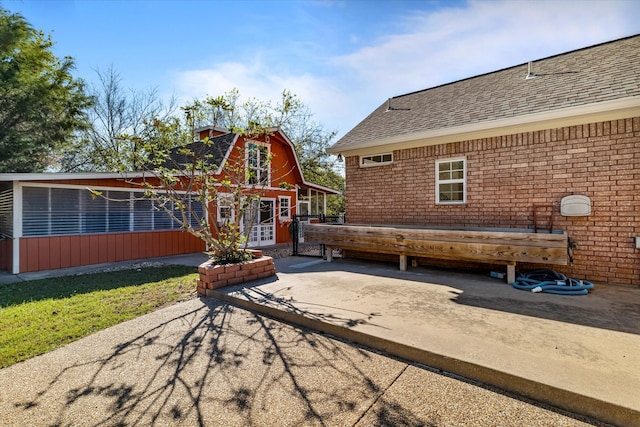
{"x":285,"y":207}
{"x":257,"y":163}
{"x":376,"y":160}
{"x":451,"y":181}
{"x":225,"y":208}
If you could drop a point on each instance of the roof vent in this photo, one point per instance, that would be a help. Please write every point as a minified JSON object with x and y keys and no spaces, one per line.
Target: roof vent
{"x":530,"y":73}
{"x":390,"y":108}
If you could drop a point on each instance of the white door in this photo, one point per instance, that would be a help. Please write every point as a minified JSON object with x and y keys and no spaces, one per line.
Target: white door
{"x":263,"y":231}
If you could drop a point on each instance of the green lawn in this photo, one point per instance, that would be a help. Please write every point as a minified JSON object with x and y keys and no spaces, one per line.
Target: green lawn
{"x":41,"y":315}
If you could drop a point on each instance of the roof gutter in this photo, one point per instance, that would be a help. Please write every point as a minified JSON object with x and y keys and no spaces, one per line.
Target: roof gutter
{"x":571,"y":116}
{"x":51,"y":176}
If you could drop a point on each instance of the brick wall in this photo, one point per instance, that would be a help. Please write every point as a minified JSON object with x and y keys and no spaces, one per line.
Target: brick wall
{"x":507,"y":176}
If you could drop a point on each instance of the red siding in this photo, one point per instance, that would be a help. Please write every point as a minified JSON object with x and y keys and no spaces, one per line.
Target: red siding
{"x":44,"y":253}
{"x":55,"y":246}
{"x":85,"y":251}
{"x":135,"y":242}
{"x":105,"y":243}
{"x":126,"y":246}
{"x":65,"y":251}
{"x":43,"y":257}
{"x":76,"y":250}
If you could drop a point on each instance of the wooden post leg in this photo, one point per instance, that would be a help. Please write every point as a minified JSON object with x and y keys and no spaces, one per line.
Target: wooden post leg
{"x":329,"y":252}
{"x":403,"y":263}
{"x":511,"y":273}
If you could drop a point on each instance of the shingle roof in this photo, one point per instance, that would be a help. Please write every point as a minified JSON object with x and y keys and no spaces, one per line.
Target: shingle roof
{"x":603,"y":72}
{"x":216,"y":150}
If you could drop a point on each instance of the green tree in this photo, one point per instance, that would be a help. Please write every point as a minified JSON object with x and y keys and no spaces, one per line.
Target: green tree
{"x":184,"y":180}
{"x":41,"y":104}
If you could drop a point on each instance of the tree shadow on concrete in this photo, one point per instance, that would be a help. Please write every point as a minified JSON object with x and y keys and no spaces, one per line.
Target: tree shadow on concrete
{"x":215,"y":365}
{"x":338,"y":316}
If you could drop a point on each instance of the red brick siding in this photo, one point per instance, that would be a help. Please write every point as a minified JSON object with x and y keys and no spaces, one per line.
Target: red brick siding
{"x":507,"y":175}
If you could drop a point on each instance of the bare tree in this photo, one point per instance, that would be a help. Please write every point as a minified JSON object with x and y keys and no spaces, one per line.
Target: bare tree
{"x":118,"y":118}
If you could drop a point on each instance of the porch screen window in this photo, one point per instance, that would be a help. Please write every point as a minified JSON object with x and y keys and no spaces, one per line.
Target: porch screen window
{"x":196,"y":213}
{"x":258,"y":164}
{"x":161,"y":218}
{"x":6,"y":210}
{"x":143,"y":214}
{"x":92,"y":212}
{"x":63,"y":211}
{"x":450,"y":181}
{"x":119,"y":211}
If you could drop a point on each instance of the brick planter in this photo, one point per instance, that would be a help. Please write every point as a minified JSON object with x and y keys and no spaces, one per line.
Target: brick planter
{"x":213,"y":276}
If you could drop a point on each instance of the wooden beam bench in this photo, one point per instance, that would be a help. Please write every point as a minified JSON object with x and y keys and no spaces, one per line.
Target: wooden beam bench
{"x":487,"y":245}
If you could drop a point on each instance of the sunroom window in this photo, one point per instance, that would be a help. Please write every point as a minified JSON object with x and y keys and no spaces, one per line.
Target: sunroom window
{"x":64,"y":211}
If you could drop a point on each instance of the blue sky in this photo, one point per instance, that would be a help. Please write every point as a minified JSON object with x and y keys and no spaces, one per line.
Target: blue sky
{"x":342,"y":58}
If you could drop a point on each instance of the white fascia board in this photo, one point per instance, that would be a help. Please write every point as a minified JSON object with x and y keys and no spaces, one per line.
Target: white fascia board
{"x":17,"y":226}
{"x":591,"y":113}
{"x":211,"y":127}
{"x":321,"y":188}
{"x":53,"y":176}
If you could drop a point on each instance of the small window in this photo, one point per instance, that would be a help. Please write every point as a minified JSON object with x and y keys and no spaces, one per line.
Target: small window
{"x":285,"y":207}
{"x":225,"y":208}
{"x":451,"y":181}
{"x":376,"y":160}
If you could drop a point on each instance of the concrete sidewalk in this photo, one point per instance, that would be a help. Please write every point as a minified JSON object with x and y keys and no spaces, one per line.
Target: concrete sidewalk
{"x":578,"y":353}
{"x":205,"y":360}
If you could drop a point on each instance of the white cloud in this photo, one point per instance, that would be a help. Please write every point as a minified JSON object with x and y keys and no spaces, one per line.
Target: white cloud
{"x":457,"y":43}
{"x":434,"y":48}
{"x":262,"y":81}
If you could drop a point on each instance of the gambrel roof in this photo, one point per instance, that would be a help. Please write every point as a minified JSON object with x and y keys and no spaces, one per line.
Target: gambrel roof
{"x":215,"y":151}
{"x":219,"y":147}
{"x":600,"y":82}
